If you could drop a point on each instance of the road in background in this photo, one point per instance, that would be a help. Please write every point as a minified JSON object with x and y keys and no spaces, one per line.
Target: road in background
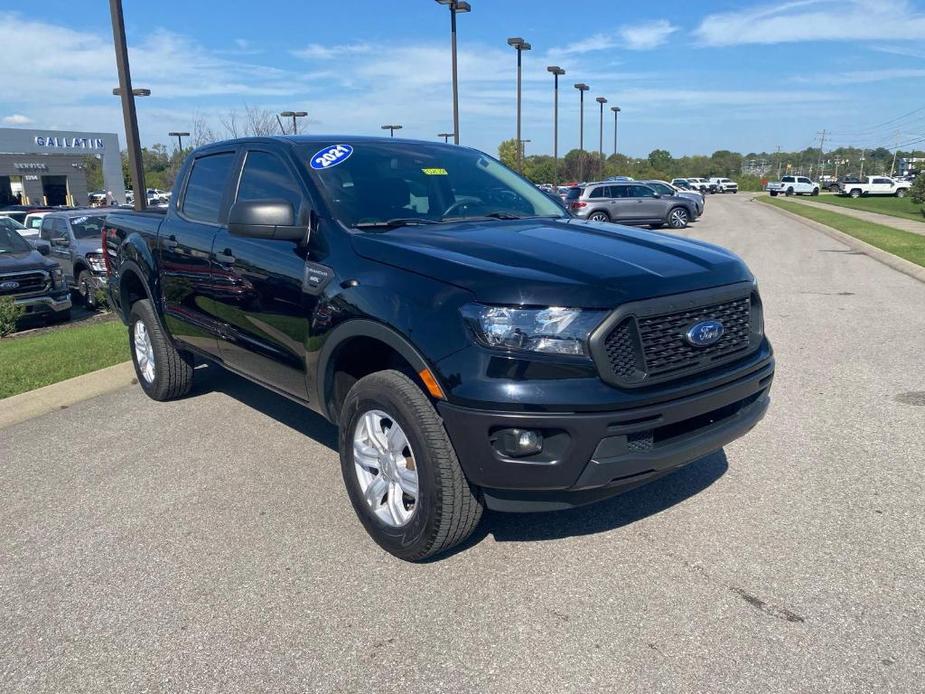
{"x":208,"y":544}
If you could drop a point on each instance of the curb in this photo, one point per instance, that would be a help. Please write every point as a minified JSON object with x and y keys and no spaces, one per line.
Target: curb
{"x":902,"y":265}
{"x":57,"y":396}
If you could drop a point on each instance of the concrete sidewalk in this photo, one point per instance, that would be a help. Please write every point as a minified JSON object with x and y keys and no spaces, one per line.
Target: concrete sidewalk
{"x":875,"y":217}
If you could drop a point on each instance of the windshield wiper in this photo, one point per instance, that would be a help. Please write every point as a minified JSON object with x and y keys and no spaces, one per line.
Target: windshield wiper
{"x":396,"y":222}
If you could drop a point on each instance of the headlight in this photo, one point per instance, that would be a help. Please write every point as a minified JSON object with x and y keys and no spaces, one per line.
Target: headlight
{"x":57,"y":278}
{"x":553,"y":330}
{"x":96,"y":262}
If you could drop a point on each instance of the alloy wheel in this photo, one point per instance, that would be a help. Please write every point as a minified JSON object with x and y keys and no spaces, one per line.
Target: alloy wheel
{"x":385,"y":468}
{"x":677,"y":219}
{"x":144,"y":352}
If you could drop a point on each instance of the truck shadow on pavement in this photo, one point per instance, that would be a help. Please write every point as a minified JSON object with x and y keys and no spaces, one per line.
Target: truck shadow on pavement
{"x":619,"y":511}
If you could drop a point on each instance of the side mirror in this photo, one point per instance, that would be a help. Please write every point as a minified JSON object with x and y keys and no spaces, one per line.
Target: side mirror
{"x":61,"y":242}
{"x":41,"y":246}
{"x":265,"y":219}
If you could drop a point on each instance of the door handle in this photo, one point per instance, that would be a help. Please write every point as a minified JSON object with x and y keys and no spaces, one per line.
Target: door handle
{"x":170,"y":243}
{"x":225,"y":257}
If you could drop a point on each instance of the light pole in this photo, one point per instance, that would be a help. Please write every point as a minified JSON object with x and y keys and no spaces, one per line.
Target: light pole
{"x":294,"y":115}
{"x":616,"y":110}
{"x":523,"y":148}
{"x":520,"y":46}
{"x":556,"y":71}
{"x":600,"y":147}
{"x":179,"y":137}
{"x":446,"y":136}
{"x":391,"y":129}
{"x":582,"y":88}
{"x":456,"y":6}
{"x":128,"y":95}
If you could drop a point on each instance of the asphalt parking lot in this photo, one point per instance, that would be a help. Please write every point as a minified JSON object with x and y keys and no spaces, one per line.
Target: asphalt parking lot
{"x":208,"y":544}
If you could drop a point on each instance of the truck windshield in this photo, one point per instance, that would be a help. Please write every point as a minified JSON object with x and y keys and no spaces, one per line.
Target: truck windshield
{"x":87,"y":227}
{"x":10,"y":240}
{"x":381,"y":183}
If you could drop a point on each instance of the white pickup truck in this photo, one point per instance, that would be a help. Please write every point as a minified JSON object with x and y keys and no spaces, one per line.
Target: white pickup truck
{"x":724,"y":185}
{"x":793,"y":185}
{"x":873,"y":185}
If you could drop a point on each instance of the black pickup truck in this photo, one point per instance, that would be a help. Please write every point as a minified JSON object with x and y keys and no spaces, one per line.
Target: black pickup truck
{"x":476,"y":345}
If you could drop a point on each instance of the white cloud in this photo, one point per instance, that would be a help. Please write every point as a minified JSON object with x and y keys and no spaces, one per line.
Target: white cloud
{"x":814,"y":20}
{"x":862,"y":76}
{"x":16,"y":119}
{"x":648,"y":35}
{"x":637,"y":37}
{"x":317,"y":51}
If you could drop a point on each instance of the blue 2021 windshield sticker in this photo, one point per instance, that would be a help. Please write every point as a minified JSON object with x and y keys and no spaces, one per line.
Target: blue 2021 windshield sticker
{"x":331,"y":156}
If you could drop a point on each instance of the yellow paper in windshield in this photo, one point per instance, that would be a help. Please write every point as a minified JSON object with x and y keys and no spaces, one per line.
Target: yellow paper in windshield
{"x":434,"y":172}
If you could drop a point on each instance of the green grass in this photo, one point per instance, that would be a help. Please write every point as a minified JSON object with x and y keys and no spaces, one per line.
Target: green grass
{"x":33,"y":361}
{"x":894,"y":207}
{"x":904,"y":244}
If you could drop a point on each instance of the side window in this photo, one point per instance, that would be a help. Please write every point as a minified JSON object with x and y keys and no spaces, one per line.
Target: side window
{"x":206,"y":187}
{"x":265,"y":177}
{"x":802,"y":180}
{"x":46,"y":234}
{"x":882,"y":180}
{"x":643,"y":192}
{"x":597,"y":192}
{"x":787,"y":179}
{"x":620,"y":191}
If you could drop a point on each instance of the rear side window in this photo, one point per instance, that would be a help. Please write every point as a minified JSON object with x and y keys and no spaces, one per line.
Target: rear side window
{"x":787,"y":179}
{"x":265,"y":177}
{"x":597,"y":192}
{"x":206,"y":187}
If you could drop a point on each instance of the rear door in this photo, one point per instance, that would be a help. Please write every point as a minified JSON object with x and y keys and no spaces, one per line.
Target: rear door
{"x":258,"y":282}
{"x":185,"y":244}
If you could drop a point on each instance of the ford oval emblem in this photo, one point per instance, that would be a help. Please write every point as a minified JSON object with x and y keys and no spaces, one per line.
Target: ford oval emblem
{"x":704,"y":333}
{"x":330,"y":156}
{"x":9,"y":285}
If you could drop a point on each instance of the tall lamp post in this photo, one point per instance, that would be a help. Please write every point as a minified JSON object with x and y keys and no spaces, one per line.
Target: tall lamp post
{"x":179,"y":137}
{"x":520,"y":46}
{"x":582,"y":88}
{"x":523,"y":148}
{"x":456,"y":7}
{"x":600,"y":146}
{"x":556,"y":71}
{"x":294,"y":115}
{"x":616,"y":110}
{"x":391,"y":129}
{"x":128,"y":102}
{"x":446,"y":136}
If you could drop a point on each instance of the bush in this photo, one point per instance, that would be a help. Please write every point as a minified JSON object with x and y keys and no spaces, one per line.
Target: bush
{"x":10,"y":312}
{"x":918,"y":189}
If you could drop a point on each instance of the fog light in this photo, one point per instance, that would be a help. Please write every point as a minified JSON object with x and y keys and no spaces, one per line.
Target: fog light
{"x":517,"y":443}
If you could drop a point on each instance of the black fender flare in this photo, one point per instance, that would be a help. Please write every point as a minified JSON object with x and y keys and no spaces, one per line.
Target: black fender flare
{"x":359,"y":327}
{"x":130,"y":266}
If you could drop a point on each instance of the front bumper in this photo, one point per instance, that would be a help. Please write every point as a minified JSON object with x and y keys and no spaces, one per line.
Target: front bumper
{"x":36,"y":305}
{"x":592,"y":455}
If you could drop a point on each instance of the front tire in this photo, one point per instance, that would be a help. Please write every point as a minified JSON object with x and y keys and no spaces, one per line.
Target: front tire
{"x":773,"y":193}
{"x":815,"y":191}
{"x":789,"y":192}
{"x":163,"y":372}
{"x":677,"y":218}
{"x":901,"y":193}
{"x":85,"y":290}
{"x":401,"y":471}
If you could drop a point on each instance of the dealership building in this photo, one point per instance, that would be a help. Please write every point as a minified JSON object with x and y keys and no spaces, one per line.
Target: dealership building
{"x":41,"y":167}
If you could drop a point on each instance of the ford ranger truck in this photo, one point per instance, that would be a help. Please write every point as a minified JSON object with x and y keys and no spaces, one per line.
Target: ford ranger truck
{"x":477,"y":346}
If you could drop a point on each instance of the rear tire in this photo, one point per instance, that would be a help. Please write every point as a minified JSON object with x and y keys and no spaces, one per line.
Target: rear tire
{"x":446,"y":508}
{"x":598,"y":216}
{"x":773,"y":193}
{"x":164,"y":372}
{"x":85,"y":290}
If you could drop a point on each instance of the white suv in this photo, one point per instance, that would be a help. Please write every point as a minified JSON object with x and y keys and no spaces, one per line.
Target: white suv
{"x":725,"y":185}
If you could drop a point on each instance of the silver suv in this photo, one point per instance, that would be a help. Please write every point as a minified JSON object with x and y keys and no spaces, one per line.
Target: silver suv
{"x":629,"y":203}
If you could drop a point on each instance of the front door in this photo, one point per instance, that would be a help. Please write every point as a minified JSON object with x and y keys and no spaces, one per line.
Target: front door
{"x":258,"y":285}
{"x":185,"y":247}
{"x":650,"y":207}
{"x":54,"y":230}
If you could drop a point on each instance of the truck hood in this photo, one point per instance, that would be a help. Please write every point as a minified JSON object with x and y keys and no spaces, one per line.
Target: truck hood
{"x":550,"y":262}
{"x":24,"y":262}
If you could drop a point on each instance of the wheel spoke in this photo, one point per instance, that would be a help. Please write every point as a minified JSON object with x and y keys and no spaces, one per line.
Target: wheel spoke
{"x":375,"y":491}
{"x":395,"y":438}
{"x":408,"y":481}
{"x":396,"y":505}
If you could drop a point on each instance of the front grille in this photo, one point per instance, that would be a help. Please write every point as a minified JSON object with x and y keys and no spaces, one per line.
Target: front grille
{"x":25,"y":283}
{"x":644,"y":348}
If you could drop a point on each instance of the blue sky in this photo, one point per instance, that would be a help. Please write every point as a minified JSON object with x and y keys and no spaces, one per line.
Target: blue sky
{"x":691,"y":77}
